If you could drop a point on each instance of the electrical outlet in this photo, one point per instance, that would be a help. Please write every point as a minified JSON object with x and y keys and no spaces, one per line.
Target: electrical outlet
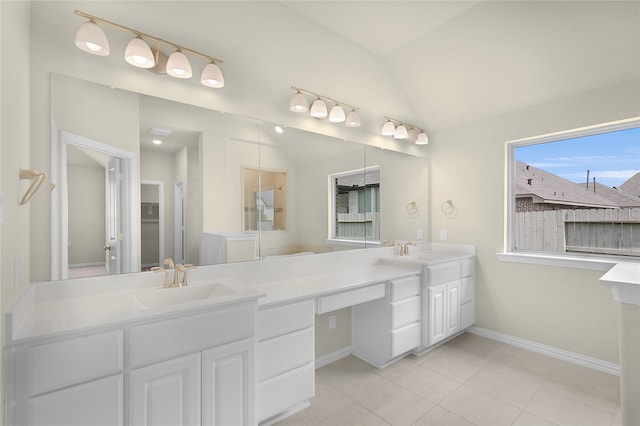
{"x":332,"y":322}
{"x":443,"y":234}
{"x":419,"y":234}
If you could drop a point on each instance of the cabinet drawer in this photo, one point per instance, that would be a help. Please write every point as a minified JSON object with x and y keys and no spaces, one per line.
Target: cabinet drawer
{"x":468,"y":290}
{"x":284,"y":353}
{"x":168,"y":339}
{"x":95,"y":403}
{"x":467,"y":268}
{"x":64,"y":363}
{"x":404,"y":339}
{"x":282,"y":392}
{"x":405,"y":312}
{"x":284,"y":319}
{"x":405,"y":287}
{"x":439,"y":274}
{"x":350,"y":298}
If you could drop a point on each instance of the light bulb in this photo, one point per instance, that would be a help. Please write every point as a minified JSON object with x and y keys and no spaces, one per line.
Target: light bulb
{"x":212,"y":76}
{"x":139,"y":53}
{"x":337,"y":114}
{"x":92,"y":39}
{"x":353,"y":119}
{"x":422,"y":139}
{"x":401,"y":132}
{"x":319,"y":109}
{"x":298,"y":103}
{"x":178,"y":65}
{"x":388,"y":129}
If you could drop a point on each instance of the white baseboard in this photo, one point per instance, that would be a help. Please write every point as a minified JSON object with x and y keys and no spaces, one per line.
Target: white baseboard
{"x":585,"y":361}
{"x":333,"y":357}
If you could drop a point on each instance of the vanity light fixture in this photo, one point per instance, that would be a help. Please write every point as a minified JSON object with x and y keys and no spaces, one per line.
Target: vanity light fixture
{"x":319,"y":108}
{"x":401,"y":131}
{"x":91,"y":38}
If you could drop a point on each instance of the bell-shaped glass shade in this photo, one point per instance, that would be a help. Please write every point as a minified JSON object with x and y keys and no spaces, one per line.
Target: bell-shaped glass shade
{"x":319,"y":109}
{"x":353,"y":119}
{"x":212,"y":76}
{"x":139,"y":54}
{"x":92,"y":39}
{"x":178,"y":65}
{"x":337,"y":114}
{"x":298,"y":103}
{"x":422,"y":139}
{"x":401,"y":132}
{"x":388,"y":129}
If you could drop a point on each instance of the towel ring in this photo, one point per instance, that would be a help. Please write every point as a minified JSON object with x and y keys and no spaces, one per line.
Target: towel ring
{"x":412,"y":208}
{"x":447,"y":207}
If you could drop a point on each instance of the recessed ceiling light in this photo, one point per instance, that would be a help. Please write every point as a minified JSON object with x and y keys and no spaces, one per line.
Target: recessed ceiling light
{"x":157,"y":142}
{"x":279,"y":129}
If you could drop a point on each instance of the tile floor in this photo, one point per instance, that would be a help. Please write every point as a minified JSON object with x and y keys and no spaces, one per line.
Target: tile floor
{"x":470,"y":380}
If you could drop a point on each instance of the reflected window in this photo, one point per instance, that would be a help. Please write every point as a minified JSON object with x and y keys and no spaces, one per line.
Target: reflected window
{"x":356,"y":205}
{"x":265,"y":199}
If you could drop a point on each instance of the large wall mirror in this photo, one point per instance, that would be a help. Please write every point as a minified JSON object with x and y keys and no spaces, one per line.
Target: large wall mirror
{"x":209,"y":187}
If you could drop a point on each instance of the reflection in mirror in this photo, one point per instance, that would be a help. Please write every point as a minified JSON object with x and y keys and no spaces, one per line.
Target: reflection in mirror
{"x":265,"y":199}
{"x":198,"y":171}
{"x":356,"y":203}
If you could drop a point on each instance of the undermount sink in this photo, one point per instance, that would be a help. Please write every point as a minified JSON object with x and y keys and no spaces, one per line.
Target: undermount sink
{"x":167,"y":297}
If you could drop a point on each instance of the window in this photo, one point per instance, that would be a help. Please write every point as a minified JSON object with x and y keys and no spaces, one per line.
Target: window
{"x":576,"y":193}
{"x":356,"y":205}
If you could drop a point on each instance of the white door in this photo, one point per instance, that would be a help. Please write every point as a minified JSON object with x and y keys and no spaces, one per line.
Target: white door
{"x":437,"y":305}
{"x":113,"y":245}
{"x":453,"y":307}
{"x":167,"y":393}
{"x":229,"y":385}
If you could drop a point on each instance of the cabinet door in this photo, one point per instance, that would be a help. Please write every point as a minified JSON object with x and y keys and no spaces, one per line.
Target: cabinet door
{"x":453,"y":308}
{"x":437,"y":306}
{"x":94,"y":403}
{"x":167,"y":393}
{"x":229,"y":384}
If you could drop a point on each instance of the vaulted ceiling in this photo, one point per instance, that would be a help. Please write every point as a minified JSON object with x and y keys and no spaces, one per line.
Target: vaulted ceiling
{"x":459,"y":61}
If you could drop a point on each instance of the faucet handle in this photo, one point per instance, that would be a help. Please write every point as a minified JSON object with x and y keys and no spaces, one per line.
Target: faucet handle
{"x":185,"y":277}
{"x":168,"y":262}
{"x":167,"y":282}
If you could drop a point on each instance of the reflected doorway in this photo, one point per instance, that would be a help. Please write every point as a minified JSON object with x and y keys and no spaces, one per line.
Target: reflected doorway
{"x":152,"y":224}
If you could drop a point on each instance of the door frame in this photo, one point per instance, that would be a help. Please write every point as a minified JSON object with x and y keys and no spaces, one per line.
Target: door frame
{"x":60,"y":216}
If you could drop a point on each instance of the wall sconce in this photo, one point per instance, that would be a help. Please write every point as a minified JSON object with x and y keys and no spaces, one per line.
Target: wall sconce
{"x":319,"y":108}
{"x":401,"y":131}
{"x":91,"y":38}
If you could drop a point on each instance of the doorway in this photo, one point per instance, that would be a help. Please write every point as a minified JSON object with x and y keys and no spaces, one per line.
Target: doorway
{"x":115,"y":218}
{"x":152,"y":224}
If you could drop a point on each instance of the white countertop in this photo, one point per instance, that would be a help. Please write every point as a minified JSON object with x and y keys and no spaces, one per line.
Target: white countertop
{"x":321,"y":284}
{"x":66,"y":306}
{"x":624,"y":279}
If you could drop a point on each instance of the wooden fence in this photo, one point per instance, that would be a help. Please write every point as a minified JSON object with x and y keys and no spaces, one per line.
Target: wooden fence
{"x":358,"y":226}
{"x":602,"y":231}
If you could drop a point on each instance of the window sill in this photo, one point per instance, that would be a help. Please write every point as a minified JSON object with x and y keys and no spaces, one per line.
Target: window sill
{"x":578,"y":262}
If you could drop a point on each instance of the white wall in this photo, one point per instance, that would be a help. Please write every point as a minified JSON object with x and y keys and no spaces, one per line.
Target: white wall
{"x":561,"y":307}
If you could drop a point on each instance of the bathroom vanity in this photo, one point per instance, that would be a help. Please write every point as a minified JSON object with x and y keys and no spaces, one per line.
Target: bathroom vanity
{"x":235,"y":347}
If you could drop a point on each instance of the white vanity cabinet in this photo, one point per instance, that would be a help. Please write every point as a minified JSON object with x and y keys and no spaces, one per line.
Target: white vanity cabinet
{"x":66,"y":381}
{"x":450,"y":299}
{"x":286,"y":359}
{"x":387,"y":328}
{"x":194,"y":368}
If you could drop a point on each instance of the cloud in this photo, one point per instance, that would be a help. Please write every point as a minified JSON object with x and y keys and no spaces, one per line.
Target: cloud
{"x":622,"y":175}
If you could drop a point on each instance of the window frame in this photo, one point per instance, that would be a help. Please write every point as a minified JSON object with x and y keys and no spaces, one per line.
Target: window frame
{"x":580,"y":261}
{"x":332,"y":216}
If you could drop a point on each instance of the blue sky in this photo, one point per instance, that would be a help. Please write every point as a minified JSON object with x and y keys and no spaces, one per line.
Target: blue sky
{"x":611,"y":158}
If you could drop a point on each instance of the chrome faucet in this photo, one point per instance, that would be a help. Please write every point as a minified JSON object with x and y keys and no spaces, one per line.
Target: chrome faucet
{"x":404,"y":248}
